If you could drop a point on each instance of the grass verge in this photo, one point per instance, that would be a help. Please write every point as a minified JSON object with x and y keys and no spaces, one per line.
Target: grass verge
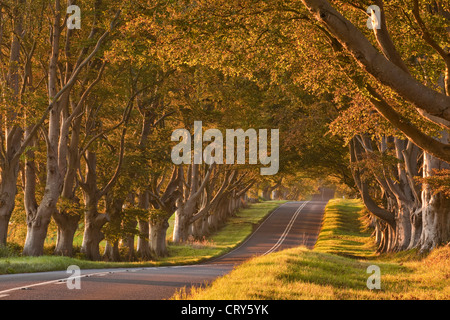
{"x":335,"y":269}
{"x":237,"y":229}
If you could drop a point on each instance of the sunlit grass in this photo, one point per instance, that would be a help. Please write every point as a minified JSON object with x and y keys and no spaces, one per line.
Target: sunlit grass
{"x":235,"y":231}
{"x":343,"y":230}
{"x":336,"y":269}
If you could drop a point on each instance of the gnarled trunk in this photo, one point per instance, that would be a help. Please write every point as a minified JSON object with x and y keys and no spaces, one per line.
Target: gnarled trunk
{"x":93,"y":236}
{"x":67,"y":226}
{"x":37,"y":230}
{"x":158,"y":243}
{"x":38,"y":219}
{"x":403,"y":225}
{"x":93,"y":224}
{"x":435,"y":209}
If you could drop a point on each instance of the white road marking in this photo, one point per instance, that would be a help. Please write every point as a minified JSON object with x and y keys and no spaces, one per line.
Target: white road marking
{"x":57,"y":281}
{"x":286,"y":231}
{"x":254,"y":232}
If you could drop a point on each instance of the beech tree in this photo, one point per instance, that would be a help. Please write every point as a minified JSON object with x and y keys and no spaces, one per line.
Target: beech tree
{"x":11,"y":131}
{"x":389,"y":68}
{"x":59,"y":88}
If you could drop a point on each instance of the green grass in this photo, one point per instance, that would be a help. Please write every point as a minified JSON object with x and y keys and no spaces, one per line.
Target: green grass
{"x":237,"y":229}
{"x":343,"y":230}
{"x":335,"y":269}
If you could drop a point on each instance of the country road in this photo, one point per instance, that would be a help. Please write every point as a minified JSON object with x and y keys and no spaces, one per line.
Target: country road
{"x":292,"y":224}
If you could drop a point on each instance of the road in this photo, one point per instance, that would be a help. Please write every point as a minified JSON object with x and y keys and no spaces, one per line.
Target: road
{"x":292,"y":224}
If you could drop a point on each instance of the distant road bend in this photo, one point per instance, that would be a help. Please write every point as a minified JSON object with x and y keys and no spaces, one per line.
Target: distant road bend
{"x":292,"y":224}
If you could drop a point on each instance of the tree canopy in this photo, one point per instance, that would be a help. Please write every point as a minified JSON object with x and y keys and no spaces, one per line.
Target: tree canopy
{"x":88,"y":113}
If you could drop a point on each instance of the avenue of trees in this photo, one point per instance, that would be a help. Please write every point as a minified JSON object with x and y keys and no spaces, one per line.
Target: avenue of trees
{"x":87,"y":116}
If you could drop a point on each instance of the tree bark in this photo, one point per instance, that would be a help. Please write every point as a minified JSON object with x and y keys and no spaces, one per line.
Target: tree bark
{"x":93,"y":220}
{"x":8,"y":191}
{"x":143,"y":245}
{"x":370,"y":204}
{"x":67,"y":226}
{"x":435,"y":209}
{"x":166,"y":203}
{"x":68,"y":220}
{"x":93,"y":235}
{"x":158,"y":243}
{"x":39,"y":219}
{"x":181,"y":226}
{"x":9,"y":162}
{"x":128,"y":241}
{"x":189,"y":205}
{"x":112,"y":252}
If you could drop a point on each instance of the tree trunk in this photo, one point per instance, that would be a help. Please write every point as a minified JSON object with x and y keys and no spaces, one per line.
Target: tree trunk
{"x":435,"y":209}
{"x":200,"y":227}
{"x":143,"y":245}
{"x":403,"y":226}
{"x":181,"y":226}
{"x":68,"y":220}
{"x":158,"y":243}
{"x":190,"y":205}
{"x":416,"y":228}
{"x":37,"y":230}
{"x":219,"y":215}
{"x":38,"y":220}
{"x":387,"y":237}
{"x":128,"y":241}
{"x":92,"y":237}
{"x":112,"y":251}
{"x":67,"y":226}
{"x":11,"y":135}
{"x":213,"y":221}
{"x":8,"y":190}
{"x":94,"y":222}
{"x":114,"y":210}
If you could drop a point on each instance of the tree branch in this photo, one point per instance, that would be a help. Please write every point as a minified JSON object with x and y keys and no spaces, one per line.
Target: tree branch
{"x":426,"y":100}
{"x":436,"y":148}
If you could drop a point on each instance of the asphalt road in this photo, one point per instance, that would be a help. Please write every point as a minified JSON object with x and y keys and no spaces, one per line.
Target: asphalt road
{"x":292,"y":224}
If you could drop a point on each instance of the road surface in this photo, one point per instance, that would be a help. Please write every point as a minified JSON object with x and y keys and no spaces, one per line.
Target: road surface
{"x":292,"y":224}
